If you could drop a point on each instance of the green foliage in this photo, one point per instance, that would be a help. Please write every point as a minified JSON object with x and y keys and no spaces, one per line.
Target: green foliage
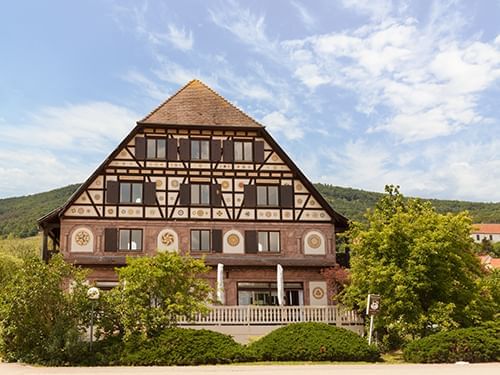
{"x":422,"y":265}
{"x":18,"y":215}
{"x":353,"y":203}
{"x":9,"y":265}
{"x":313,"y":342}
{"x":156,"y":290}
{"x":478,"y":344}
{"x":40,"y":322}
{"x":182,"y":346}
{"x":20,"y":247}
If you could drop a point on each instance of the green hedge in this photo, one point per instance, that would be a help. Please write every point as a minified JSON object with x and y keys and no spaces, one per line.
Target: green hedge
{"x":478,"y":344}
{"x":313,"y":342}
{"x":183,"y":346}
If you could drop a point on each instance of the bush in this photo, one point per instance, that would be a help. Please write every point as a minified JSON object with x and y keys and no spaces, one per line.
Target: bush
{"x":182,"y":346}
{"x":478,"y":344}
{"x":313,"y":342}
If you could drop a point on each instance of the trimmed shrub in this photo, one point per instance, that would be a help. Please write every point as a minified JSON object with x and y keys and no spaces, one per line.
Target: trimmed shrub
{"x":313,"y":342}
{"x":182,"y":346}
{"x":478,"y":344}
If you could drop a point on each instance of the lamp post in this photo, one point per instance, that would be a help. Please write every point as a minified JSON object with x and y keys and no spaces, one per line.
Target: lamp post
{"x":93,"y":295}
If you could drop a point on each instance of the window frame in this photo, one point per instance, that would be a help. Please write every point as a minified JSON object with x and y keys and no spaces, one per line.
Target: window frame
{"x":200,"y":248}
{"x":155,"y":140}
{"x":268,"y":241}
{"x":199,"y":142}
{"x":199,"y":194}
{"x":267,"y":195}
{"x":244,"y":152}
{"x":130,"y":193}
{"x":129,"y":247}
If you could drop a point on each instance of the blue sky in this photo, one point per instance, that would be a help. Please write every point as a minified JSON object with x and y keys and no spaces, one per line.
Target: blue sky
{"x":360,"y":93}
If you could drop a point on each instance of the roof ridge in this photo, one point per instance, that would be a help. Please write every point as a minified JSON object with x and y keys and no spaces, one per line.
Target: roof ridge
{"x":209,"y":89}
{"x":166,"y":101}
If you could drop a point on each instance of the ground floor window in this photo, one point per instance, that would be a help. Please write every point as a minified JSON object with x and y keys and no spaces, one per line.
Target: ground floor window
{"x":256,"y":293}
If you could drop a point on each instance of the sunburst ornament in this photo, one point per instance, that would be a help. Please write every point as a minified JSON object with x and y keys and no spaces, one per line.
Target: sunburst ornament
{"x":314,"y":241}
{"x":167,"y":239}
{"x":82,"y":238}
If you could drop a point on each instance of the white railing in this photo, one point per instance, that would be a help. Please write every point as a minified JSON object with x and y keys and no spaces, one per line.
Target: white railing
{"x":274,"y":315}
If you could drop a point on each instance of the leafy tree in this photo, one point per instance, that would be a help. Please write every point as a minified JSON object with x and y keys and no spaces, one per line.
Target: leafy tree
{"x":422,"y":265}
{"x":8,"y":267}
{"x":40,"y":321}
{"x":154,"y":291}
{"x":337,"y":278}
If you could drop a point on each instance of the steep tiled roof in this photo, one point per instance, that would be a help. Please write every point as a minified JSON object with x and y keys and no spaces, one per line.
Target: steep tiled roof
{"x":198,"y":104}
{"x":486,"y":229}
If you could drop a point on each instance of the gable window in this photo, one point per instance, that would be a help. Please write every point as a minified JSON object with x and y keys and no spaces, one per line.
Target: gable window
{"x":200,"y":194}
{"x":200,"y":150}
{"x":130,"y":239}
{"x":156,"y":148}
{"x":267,"y":196}
{"x":268,"y":241}
{"x":200,"y":240}
{"x":243,"y":151}
{"x":131,"y":192}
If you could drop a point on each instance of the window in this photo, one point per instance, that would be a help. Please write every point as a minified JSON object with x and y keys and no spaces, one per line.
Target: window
{"x":243,"y":151}
{"x":267,"y":196}
{"x":268,"y":241}
{"x":491,"y":237}
{"x":477,"y":237}
{"x":258,"y":293}
{"x":130,"y":239}
{"x":130,"y":192}
{"x":200,"y":194}
{"x":200,"y":240}
{"x":156,"y":148}
{"x":200,"y":150}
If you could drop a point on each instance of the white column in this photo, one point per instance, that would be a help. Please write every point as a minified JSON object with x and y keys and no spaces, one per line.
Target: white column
{"x":280,"y":285}
{"x":220,"y":284}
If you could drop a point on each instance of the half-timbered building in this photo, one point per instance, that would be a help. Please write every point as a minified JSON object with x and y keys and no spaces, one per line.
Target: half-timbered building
{"x":199,"y":176}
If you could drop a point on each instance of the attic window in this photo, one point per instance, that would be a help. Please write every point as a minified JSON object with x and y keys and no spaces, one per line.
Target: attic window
{"x":200,"y":150}
{"x":243,"y":151}
{"x":130,"y":192}
{"x":156,"y":148}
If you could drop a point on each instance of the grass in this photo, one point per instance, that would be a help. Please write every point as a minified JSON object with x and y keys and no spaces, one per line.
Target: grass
{"x":20,"y":247}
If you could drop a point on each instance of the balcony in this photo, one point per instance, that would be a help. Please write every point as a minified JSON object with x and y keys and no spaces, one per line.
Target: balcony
{"x":276,"y":315}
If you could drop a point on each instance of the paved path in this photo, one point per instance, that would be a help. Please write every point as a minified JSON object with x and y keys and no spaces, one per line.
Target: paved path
{"x":376,"y":369}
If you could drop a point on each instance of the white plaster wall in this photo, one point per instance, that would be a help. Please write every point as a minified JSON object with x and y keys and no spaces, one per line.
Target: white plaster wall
{"x":495,"y":237}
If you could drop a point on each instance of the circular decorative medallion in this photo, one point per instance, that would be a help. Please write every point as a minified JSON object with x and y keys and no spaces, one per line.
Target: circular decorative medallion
{"x":225,"y":184}
{"x":98,"y":182}
{"x":110,"y":211}
{"x":240,"y":185}
{"x":318,"y":292}
{"x":233,"y":240}
{"x":274,"y":158}
{"x":175,"y":183}
{"x":167,"y":239}
{"x":81,"y":210}
{"x":268,"y":214}
{"x":158,"y":183}
{"x":200,"y":212}
{"x":82,"y":238}
{"x":97,"y":197}
{"x":314,"y":241}
{"x":180,"y":212}
{"x":130,"y":211}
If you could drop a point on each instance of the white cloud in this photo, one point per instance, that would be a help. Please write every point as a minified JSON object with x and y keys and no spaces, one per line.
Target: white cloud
{"x":150,"y":87}
{"x":58,"y":145}
{"x":180,"y":38}
{"x":376,"y":9}
{"x":279,"y":122}
{"x":307,"y":18}
{"x":425,"y":78}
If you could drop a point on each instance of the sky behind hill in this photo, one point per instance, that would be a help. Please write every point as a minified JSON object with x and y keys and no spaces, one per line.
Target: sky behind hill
{"x":361,"y":93}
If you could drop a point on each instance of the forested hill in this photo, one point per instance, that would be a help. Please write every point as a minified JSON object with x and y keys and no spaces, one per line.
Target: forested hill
{"x":353,"y":203}
{"x":18,"y":215}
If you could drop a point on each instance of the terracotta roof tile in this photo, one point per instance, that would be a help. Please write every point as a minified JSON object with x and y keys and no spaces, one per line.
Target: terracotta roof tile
{"x":486,"y":228}
{"x":198,"y":104}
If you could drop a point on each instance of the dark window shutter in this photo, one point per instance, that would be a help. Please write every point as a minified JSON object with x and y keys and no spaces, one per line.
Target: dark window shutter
{"x":172,"y":149}
{"x":217,"y":240}
{"x":215,"y":150}
{"x":184,"y":149}
{"x":286,"y":196}
{"x":250,"y":193}
{"x":228,"y":151}
{"x":215,"y":198}
{"x":251,"y":245}
{"x":258,"y":148}
{"x":110,"y":239}
{"x":185,"y":195}
{"x":112,"y":192}
{"x":149,"y":193}
{"x":140,"y":148}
